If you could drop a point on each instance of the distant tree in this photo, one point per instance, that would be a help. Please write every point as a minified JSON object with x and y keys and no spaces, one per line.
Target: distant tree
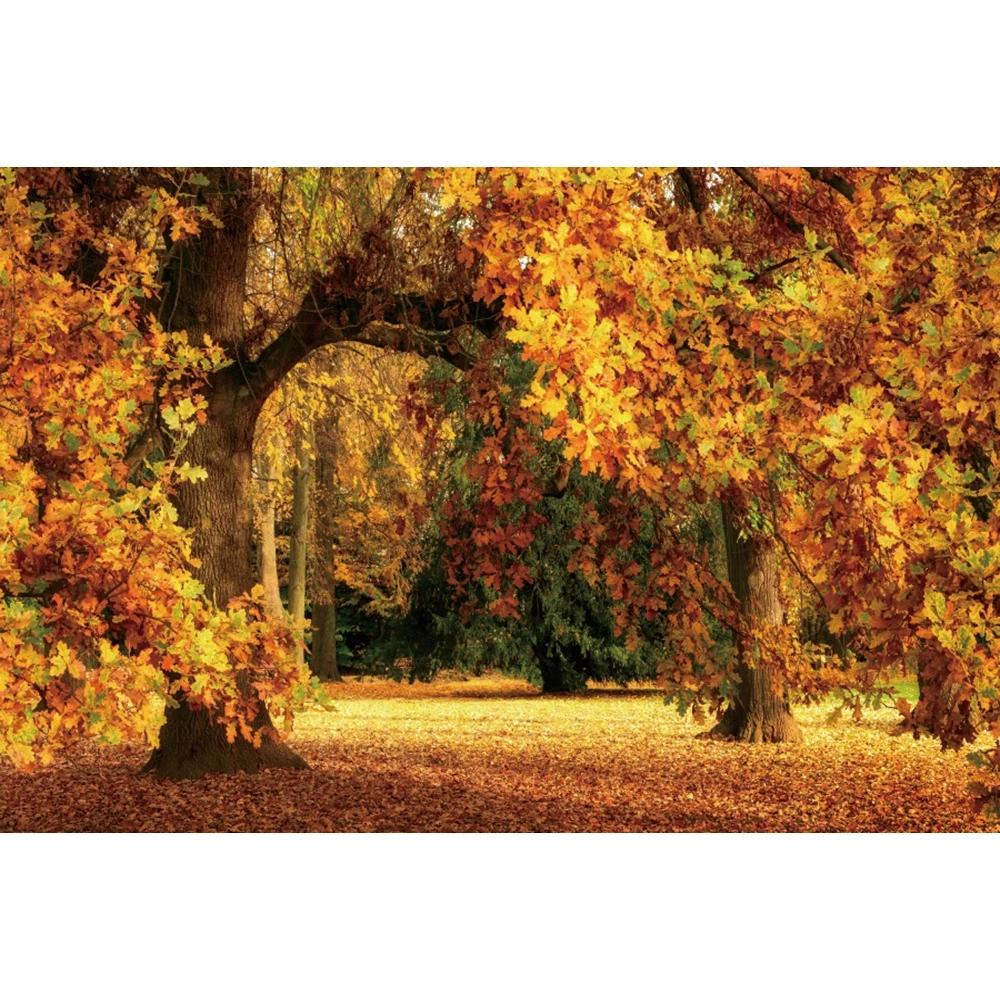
{"x":506,"y":507}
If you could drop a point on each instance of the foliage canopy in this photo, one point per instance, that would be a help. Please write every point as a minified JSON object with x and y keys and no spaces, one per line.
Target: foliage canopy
{"x":812,"y":352}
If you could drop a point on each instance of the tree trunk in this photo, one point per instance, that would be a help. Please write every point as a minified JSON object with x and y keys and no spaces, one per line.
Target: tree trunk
{"x":559,"y":676}
{"x":324,"y":642}
{"x":269,"y":562}
{"x":322,"y":585}
{"x":298,"y":550}
{"x":205,"y":294}
{"x":952,"y":708}
{"x":268,"y":552}
{"x":219,"y":509}
{"x":761,"y":714}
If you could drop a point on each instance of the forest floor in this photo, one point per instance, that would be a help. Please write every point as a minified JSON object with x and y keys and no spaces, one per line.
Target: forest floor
{"x":491,"y":754}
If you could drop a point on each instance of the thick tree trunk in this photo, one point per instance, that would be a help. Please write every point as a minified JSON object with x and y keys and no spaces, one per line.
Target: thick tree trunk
{"x":761,"y":714}
{"x":298,"y":550}
{"x":205,"y":295}
{"x":219,"y":509}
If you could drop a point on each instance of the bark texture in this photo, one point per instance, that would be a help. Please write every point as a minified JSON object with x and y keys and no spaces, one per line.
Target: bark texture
{"x":761,"y":714}
{"x":193,"y":745}
{"x":219,"y":509}
{"x":205,"y":296}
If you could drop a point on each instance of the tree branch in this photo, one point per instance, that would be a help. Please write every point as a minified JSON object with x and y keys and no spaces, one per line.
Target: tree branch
{"x":694,"y":197}
{"x":750,"y":179}
{"x":414,"y":323}
{"x":754,"y":278}
{"x":835,"y":181}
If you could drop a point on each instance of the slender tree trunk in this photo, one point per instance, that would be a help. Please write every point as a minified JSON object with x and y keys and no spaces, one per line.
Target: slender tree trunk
{"x":205,"y":295}
{"x":761,"y":714}
{"x":298,"y":551}
{"x":322,"y":580}
{"x":269,"y":562}
{"x":268,"y":550}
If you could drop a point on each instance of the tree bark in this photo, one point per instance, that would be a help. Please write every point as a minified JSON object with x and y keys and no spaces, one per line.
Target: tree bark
{"x":219,"y":509}
{"x":324,"y":642}
{"x":760,"y":714}
{"x":268,"y":550}
{"x":205,"y":296}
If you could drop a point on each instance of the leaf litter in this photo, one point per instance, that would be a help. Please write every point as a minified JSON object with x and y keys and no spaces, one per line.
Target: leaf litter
{"x":494,"y":755}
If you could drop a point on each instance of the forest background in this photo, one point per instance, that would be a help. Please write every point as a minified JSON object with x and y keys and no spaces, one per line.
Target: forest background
{"x":569,"y":91}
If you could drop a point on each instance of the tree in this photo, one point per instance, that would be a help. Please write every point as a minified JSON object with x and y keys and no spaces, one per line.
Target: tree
{"x":197,"y":267}
{"x":508,"y":511}
{"x":102,"y":620}
{"x":270,"y":467}
{"x":806,"y":346}
{"x":323,"y":594}
{"x":206,"y":290}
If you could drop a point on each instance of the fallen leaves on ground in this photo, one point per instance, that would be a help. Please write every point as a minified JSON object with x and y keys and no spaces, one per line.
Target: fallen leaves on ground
{"x":484,"y":755}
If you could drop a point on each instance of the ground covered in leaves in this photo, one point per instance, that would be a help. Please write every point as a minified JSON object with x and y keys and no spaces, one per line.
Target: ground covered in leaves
{"x":494,"y":755}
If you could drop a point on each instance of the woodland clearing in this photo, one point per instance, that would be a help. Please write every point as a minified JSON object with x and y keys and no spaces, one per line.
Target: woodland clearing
{"x":492,"y":755}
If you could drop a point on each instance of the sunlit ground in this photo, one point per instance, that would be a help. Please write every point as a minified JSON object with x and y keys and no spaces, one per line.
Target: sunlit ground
{"x":489,"y":754}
